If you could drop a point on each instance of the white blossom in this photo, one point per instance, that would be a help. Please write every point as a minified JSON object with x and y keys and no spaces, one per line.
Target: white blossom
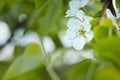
{"x":76,"y":4}
{"x":79,"y":33}
{"x":78,"y":25}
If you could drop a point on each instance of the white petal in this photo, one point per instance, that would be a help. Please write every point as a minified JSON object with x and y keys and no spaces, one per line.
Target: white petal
{"x":89,"y":36}
{"x":70,"y":33}
{"x":117,"y":14}
{"x":71,"y":13}
{"x":109,"y":14}
{"x":86,"y":25}
{"x":79,"y":43}
{"x":87,"y":18}
{"x":76,"y":4}
{"x":73,"y":23}
{"x":80,"y":14}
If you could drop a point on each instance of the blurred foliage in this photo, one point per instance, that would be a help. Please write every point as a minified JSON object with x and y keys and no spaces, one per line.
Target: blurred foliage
{"x":47,"y":18}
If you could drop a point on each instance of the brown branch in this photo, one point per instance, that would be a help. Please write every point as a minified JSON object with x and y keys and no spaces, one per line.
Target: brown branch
{"x":108,"y":4}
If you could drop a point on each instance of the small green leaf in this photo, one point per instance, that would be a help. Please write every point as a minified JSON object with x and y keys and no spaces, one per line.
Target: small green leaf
{"x":104,"y":30}
{"x":94,"y":22}
{"x":98,"y":14}
{"x":29,"y":61}
{"x":106,"y":23}
{"x":100,"y":33}
{"x":82,"y":71}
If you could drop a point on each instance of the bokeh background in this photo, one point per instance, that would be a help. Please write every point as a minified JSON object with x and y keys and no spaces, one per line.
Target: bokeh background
{"x":33,"y":44}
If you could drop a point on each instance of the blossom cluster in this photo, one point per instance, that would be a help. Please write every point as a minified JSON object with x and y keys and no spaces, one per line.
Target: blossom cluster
{"x":79,"y":27}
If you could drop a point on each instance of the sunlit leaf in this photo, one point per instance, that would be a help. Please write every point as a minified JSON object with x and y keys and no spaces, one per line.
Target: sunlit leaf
{"x":32,"y":59}
{"x":106,"y":22}
{"x":100,"y":33}
{"x":104,"y":30}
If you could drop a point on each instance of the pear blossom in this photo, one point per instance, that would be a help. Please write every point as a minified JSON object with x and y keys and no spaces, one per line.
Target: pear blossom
{"x":79,"y":33}
{"x":79,"y":27}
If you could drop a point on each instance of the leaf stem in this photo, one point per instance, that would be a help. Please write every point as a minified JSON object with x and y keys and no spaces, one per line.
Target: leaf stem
{"x":110,"y":32}
{"x":52,"y":73}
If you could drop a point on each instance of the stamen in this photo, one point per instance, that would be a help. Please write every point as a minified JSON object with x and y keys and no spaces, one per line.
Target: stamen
{"x":82,"y":32}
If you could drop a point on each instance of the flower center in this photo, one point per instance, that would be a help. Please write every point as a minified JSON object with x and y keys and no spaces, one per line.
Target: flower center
{"x":82,"y":32}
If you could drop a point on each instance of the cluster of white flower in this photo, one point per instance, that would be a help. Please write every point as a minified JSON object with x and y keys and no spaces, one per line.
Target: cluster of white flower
{"x":79,"y":27}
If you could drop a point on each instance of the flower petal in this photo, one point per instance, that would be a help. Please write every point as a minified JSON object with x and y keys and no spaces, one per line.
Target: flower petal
{"x":76,"y":4}
{"x":87,"y":18}
{"x":73,"y":23}
{"x":80,"y":14}
{"x":71,"y":34}
{"x":109,"y":14}
{"x":71,"y":13}
{"x":79,"y":43}
{"x":86,"y":25}
{"x":89,"y":36}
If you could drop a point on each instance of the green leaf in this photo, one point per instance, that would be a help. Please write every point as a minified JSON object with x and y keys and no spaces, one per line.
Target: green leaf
{"x":104,"y":30}
{"x":106,"y":23}
{"x":93,"y":7}
{"x":109,"y":49}
{"x":108,"y":72}
{"x":3,"y":67}
{"x":18,"y":51}
{"x":100,"y":33}
{"x":31,"y":60}
{"x":98,"y":14}
{"x":39,"y":3}
{"x":83,"y":70}
{"x":2,"y":6}
{"x":53,"y":14}
{"x":94,"y":22}
{"x":118,"y":4}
